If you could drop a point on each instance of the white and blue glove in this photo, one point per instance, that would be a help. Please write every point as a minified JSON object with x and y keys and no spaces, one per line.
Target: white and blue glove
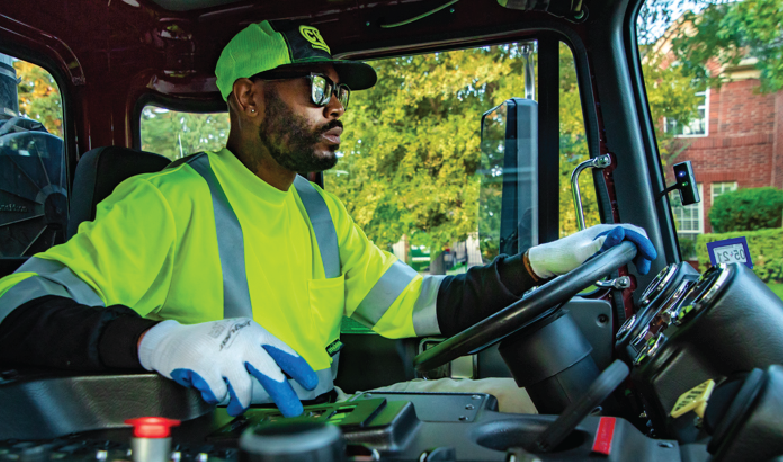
{"x":563,"y":255}
{"x":217,"y":357}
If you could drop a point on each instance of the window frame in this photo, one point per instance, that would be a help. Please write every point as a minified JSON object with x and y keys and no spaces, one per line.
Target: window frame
{"x":706,"y":118}
{"x":712,"y":189}
{"x":699,"y":213}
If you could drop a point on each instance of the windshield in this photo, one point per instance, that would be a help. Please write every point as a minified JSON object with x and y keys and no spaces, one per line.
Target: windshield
{"x":712,"y":72}
{"x":412,"y":172}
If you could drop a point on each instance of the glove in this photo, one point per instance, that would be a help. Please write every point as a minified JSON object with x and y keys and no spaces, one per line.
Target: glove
{"x":216,"y":358}
{"x":561,"y":256}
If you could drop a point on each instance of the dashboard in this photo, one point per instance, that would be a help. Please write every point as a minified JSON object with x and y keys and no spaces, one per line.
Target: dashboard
{"x":721,"y":328}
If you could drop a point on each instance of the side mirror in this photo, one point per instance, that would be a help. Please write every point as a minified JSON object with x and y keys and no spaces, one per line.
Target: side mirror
{"x":508,"y":204}
{"x":685,"y":182}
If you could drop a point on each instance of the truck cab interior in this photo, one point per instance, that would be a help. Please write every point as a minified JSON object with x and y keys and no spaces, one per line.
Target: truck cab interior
{"x":543,"y":111}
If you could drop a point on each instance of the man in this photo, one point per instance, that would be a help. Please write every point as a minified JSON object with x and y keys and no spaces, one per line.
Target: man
{"x":224,"y":269}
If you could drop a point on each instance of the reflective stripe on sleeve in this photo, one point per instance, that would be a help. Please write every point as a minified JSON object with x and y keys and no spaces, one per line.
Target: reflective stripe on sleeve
{"x":425,"y":313}
{"x":231,"y":246}
{"x":60,"y":274}
{"x":26,"y":290}
{"x":323,"y":226}
{"x":384,"y":293}
{"x":52,"y":278}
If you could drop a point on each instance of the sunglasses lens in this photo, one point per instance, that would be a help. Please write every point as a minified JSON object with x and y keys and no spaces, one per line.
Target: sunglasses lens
{"x":344,"y":95}
{"x":321,"y":90}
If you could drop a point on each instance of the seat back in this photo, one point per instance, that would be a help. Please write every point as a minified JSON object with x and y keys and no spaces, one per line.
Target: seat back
{"x":98,"y":172}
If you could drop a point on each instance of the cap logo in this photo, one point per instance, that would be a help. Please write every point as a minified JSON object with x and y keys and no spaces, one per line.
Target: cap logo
{"x":312,"y":35}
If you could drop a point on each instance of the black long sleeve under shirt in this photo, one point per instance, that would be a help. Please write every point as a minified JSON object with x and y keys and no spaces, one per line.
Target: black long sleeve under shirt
{"x":57,"y":332}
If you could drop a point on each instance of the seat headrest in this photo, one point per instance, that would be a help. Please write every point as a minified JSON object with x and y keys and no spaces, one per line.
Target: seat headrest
{"x":98,"y":172}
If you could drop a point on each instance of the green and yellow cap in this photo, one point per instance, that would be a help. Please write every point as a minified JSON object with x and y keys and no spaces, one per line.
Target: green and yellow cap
{"x":261,"y":47}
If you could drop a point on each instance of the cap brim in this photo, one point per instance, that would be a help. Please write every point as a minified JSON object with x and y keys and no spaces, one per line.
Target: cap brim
{"x":356,"y":74}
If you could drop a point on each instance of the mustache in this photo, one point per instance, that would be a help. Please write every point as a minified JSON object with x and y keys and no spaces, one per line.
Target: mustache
{"x":334,"y":123}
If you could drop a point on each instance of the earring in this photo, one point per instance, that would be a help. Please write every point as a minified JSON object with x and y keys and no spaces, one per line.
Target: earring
{"x":252,"y":110}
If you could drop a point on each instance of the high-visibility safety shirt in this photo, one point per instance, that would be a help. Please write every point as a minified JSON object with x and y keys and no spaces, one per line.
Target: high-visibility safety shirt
{"x":207,"y":240}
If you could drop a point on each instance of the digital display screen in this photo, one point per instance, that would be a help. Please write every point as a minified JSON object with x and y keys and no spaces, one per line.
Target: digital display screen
{"x":730,"y":251}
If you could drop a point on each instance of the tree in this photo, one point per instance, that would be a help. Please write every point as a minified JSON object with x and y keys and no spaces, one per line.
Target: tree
{"x":573,"y":148}
{"x":671,"y":95}
{"x":411,"y":145}
{"x":728,"y":32}
{"x":176,"y":134}
{"x":39,"y":97}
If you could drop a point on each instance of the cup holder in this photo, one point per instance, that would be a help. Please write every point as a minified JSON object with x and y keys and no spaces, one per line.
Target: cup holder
{"x":506,"y":434}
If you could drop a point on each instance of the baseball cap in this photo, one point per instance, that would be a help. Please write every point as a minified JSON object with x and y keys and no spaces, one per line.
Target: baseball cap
{"x":262,"y":47}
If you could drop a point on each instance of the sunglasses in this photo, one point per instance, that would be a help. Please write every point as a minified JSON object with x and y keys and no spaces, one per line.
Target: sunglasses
{"x":321,"y":87}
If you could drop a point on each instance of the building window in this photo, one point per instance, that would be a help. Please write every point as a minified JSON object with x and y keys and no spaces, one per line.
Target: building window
{"x":697,"y":125}
{"x":720,"y":188}
{"x":690,"y":223}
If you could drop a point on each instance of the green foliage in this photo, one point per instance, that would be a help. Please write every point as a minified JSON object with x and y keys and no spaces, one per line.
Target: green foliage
{"x":411,"y":146}
{"x":687,"y":248}
{"x":730,"y":32}
{"x":176,"y":134}
{"x":573,"y":150}
{"x":39,"y":97}
{"x":765,"y":251}
{"x":671,"y":95}
{"x":749,"y":209}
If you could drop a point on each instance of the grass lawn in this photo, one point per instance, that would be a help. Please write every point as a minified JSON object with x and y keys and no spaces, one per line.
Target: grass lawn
{"x":777,"y":288}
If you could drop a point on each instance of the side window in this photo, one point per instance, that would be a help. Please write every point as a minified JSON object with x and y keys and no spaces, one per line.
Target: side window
{"x":411,"y":171}
{"x":713,"y":87}
{"x":33,"y":189}
{"x":175,"y":134}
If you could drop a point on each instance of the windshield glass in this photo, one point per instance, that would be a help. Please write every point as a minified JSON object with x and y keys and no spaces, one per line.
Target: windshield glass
{"x":713,"y":77}
{"x":412,"y":173}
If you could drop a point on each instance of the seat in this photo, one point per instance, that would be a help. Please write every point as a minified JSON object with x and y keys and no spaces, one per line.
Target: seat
{"x":98,"y":172}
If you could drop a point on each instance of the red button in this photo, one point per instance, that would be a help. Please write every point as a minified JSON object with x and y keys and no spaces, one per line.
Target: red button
{"x":152,"y":427}
{"x":603,"y":437}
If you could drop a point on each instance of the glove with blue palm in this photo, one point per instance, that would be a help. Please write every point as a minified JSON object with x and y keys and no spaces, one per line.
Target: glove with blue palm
{"x":217,"y":358}
{"x":559,"y":257}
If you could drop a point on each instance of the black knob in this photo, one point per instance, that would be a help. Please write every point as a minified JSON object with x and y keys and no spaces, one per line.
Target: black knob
{"x":295,"y":440}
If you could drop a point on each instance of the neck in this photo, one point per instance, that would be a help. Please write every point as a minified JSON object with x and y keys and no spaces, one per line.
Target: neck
{"x":258,"y":161}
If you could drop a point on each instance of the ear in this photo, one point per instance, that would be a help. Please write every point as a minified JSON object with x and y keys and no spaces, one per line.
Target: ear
{"x":247,"y":97}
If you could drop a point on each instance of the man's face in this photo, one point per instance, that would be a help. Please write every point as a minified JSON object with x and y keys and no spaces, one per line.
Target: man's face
{"x":299,"y":135}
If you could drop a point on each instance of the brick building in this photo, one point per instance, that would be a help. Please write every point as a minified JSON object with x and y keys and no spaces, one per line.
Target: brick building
{"x":735,"y":142}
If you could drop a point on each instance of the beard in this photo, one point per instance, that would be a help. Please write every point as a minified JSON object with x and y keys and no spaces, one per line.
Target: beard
{"x":289,"y":139}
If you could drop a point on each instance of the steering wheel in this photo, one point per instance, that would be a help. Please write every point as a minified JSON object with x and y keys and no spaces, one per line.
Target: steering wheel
{"x":533,"y":306}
